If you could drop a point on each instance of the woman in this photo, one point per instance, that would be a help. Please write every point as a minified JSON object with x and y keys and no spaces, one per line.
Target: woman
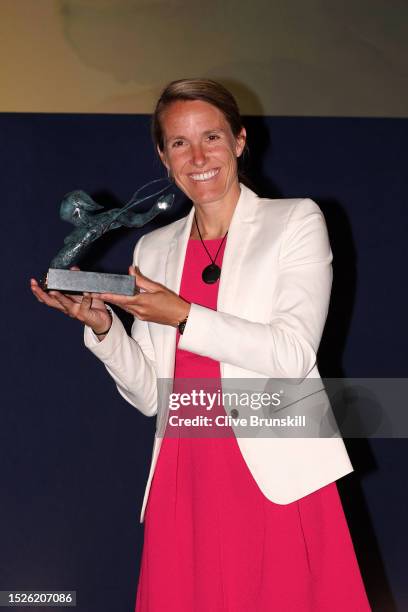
{"x":239,"y":288}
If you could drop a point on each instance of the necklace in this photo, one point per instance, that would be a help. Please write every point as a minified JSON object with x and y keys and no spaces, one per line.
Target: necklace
{"x":212,"y":272}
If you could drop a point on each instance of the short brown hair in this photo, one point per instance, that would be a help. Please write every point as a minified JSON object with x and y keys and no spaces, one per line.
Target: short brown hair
{"x":196,"y":89}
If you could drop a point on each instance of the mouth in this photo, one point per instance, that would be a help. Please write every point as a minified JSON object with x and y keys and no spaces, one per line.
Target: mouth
{"x":204,"y":176}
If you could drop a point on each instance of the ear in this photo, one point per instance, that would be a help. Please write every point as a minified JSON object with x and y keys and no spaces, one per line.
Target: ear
{"x":162,"y":156}
{"x":240,"y":142}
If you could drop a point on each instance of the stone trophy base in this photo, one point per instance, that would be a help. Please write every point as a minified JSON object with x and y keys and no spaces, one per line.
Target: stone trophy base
{"x":75,"y":281}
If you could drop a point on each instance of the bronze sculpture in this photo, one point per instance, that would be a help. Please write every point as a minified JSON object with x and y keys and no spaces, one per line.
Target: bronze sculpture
{"x":81,"y":210}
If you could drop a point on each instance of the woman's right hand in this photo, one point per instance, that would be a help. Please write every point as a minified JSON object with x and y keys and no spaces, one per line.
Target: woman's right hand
{"x":84,"y":308}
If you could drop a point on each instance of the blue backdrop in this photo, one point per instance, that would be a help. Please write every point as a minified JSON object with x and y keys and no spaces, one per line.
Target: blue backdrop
{"x":74,"y":454}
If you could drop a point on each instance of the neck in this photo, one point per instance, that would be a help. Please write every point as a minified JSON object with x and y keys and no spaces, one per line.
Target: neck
{"x":214,"y":218}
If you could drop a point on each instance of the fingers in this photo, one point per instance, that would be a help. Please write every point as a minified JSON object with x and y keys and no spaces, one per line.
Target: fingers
{"x":96,"y":300}
{"x":35,"y":288}
{"x":134,"y":305}
{"x":43,"y":296}
{"x":84,"y":308}
{"x":77,"y":298}
{"x":66,"y":303}
{"x":134,"y":271}
{"x":81,"y":307}
{"x":113,"y":298}
{"x":143,"y":282}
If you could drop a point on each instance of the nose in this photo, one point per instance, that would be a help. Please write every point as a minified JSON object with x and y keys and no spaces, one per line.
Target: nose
{"x":198,"y":155}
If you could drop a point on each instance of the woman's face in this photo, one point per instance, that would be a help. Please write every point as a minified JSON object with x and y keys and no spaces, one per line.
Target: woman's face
{"x":200,"y":150}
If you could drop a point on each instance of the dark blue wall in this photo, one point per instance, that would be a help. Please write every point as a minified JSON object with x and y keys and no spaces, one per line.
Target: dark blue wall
{"x":74,"y":455}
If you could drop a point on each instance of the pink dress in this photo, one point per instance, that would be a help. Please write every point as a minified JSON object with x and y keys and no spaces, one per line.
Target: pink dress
{"x":213,"y":542}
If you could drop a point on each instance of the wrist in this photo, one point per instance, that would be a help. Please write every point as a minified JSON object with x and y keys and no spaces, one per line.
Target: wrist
{"x":103,"y":331}
{"x":181,"y":323}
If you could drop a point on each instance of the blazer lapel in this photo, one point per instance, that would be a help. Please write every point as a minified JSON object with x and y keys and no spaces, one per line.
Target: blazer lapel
{"x":236,"y":252}
{"x":173,"y":271}
{"x":236,"y":249}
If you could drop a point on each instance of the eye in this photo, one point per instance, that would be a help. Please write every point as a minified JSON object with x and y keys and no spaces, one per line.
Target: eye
{"x":77,"y":213}
{"x":177,"y":143}
{"x":213,"y":137}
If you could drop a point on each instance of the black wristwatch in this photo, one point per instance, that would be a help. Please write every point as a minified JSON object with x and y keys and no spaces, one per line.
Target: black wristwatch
{"x":182,"y":325}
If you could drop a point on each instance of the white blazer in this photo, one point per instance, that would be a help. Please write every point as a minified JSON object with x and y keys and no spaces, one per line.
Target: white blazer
{"x":273,"y":299}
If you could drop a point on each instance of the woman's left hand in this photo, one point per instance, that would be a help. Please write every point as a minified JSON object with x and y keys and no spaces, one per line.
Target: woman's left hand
{"x":156,"y":303}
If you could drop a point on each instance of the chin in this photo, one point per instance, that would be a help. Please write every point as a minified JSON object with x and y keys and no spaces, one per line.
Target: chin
{"x":205,"y":194}
{"x":206,"y":198}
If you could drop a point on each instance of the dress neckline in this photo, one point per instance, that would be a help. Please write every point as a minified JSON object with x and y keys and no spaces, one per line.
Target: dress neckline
{"x":206,"y":239}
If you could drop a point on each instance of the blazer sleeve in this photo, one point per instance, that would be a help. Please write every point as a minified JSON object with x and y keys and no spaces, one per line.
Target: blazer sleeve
{"x":286,"y":345}
{"x":130,"y":360}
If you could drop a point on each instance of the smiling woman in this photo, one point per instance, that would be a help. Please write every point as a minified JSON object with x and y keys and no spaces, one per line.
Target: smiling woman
{"x":200,"y":152}
{"x":200,"y":138}
{"x":237,"y":289}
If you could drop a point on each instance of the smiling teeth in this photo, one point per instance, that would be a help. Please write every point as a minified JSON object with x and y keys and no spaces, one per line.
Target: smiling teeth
{"x":204,"y":176}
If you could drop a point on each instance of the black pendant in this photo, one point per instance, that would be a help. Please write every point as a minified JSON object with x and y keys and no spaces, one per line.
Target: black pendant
{"x":211,"y":274}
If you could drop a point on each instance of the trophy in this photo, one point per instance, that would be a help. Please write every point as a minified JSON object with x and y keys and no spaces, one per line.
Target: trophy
{"x":79,"y":209}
